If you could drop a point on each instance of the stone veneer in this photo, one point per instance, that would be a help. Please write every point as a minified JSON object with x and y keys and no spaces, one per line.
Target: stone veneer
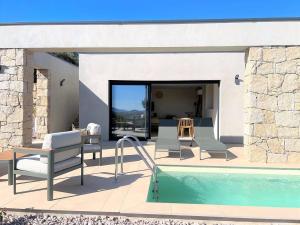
{"x":272,"y":104}
{"x":15,"y":98}
{"x":42,"y":107}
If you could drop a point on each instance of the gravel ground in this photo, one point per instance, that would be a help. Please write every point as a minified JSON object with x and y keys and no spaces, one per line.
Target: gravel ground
{"x":35,"y":219}
{"x":10,"y":219}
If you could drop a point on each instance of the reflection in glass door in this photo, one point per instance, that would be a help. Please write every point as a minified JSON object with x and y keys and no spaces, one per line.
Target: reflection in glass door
{"x":129,"y":110}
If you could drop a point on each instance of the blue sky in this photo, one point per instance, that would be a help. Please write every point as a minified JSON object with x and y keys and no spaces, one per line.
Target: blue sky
{"x":116,"y":10}
{"x":128,"y":97}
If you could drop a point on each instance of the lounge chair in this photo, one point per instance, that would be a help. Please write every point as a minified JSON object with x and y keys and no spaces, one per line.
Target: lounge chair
{"x":167,"y":140}
{"x":92,"y":141}
{"x":58,"y":155}
{"x":205,"y":138}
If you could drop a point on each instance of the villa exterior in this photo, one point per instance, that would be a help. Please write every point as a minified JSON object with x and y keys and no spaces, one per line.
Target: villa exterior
{"x":39,"y":95}
{"x":248,"y":73}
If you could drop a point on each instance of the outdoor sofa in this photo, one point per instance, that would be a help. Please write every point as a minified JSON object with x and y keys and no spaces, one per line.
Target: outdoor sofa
{"x":59,"y":154}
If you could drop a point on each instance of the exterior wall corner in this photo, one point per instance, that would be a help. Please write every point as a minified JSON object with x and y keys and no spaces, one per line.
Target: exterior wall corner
{"x":272,"y":113}
{"x":15,"y":98}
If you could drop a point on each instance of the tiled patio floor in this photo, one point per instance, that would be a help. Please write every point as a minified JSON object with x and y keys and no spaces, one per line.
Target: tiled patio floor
{"x":101,"y":193}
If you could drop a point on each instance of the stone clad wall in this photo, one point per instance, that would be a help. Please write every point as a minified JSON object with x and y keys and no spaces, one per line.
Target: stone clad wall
{"x":42,"y":103}
{"x":15,"y":98}
{"x":272,"y":104}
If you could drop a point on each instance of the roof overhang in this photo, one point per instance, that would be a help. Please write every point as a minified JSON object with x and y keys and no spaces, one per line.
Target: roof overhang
{"x":151,"y":37}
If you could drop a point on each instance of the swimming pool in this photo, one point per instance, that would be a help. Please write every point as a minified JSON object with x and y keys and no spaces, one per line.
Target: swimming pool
{"x":228,"y":186}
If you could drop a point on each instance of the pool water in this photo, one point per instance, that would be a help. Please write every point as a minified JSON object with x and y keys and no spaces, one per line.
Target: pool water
{"x":228,"y":188}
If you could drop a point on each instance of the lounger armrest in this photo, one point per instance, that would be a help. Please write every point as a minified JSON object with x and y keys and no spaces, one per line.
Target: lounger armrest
{"x":32,"y":151}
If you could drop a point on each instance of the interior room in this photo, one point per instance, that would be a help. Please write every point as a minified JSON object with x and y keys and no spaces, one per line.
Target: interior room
{"x":175,"y":101}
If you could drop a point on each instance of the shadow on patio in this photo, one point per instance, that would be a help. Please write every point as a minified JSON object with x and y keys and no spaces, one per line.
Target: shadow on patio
{"x":92,"y":184}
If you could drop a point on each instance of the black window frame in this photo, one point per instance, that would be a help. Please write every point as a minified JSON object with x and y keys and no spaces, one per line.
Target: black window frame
{"x":148,"y":110}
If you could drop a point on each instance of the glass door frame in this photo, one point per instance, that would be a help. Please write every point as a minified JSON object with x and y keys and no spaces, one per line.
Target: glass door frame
{"x":147,"y":109}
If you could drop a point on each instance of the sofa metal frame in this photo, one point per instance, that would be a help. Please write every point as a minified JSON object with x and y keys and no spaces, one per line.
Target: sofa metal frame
{"x":49,"y":153}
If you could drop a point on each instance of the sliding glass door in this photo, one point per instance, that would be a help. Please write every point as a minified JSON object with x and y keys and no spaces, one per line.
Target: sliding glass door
{"x":129,"y":110}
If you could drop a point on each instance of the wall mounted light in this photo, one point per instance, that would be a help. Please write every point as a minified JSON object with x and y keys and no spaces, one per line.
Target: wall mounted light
{"x":237,"y":79}
{"x":61,"y":83}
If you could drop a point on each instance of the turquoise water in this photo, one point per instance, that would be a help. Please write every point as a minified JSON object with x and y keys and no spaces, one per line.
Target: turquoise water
{"x":228,"y":189}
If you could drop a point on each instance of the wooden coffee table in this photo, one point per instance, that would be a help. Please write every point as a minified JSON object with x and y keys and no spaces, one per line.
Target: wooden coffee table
{"x":9,"y":157}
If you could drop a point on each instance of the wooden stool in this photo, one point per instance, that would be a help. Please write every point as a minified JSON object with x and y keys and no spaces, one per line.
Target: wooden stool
{"x":186,"y":123}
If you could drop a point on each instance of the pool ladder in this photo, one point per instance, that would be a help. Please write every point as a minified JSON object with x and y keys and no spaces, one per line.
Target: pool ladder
{"x":134,"y":141}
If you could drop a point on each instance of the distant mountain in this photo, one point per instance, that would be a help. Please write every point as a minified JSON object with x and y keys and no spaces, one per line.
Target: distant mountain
{"x":126,"y":111}
{"x":136,"y":111}
{"x":118,"y":110}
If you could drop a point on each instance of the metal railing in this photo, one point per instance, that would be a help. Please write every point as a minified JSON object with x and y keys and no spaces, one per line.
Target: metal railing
{"x":134,"y":141}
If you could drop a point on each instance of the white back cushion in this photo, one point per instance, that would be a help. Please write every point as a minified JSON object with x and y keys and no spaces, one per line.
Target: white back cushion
{"x":94,"y":129}
{"x":59,"y":140}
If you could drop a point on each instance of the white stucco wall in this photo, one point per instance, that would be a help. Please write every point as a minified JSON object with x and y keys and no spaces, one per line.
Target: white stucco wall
{"x":97,"y":69}
{"x":184,"y":36}
{"x":64,"y":100}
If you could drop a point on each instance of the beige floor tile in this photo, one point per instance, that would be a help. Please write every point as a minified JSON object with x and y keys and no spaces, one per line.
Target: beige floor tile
{"x":148,"y":208}
{"x":30,"y":197}
{"x":129,"y":193}
{"x":24,"y":186}
{"x":219,"y":211}
{"x":81,"y":199}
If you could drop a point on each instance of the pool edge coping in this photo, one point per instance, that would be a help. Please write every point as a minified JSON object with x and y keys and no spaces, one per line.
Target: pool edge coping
{"x":230,"y":167}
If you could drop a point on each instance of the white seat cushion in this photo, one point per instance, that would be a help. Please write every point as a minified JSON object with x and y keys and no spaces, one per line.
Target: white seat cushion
{"x":33,"y":164}
{"x":94,"y":129}
{"x":91,"y":147}
{"x":59,"y":140}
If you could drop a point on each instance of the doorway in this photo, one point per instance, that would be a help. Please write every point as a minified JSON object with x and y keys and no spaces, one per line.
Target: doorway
{"x":137,"y":107}
{"x":184,"y":100}
{"x":41,"y":104}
